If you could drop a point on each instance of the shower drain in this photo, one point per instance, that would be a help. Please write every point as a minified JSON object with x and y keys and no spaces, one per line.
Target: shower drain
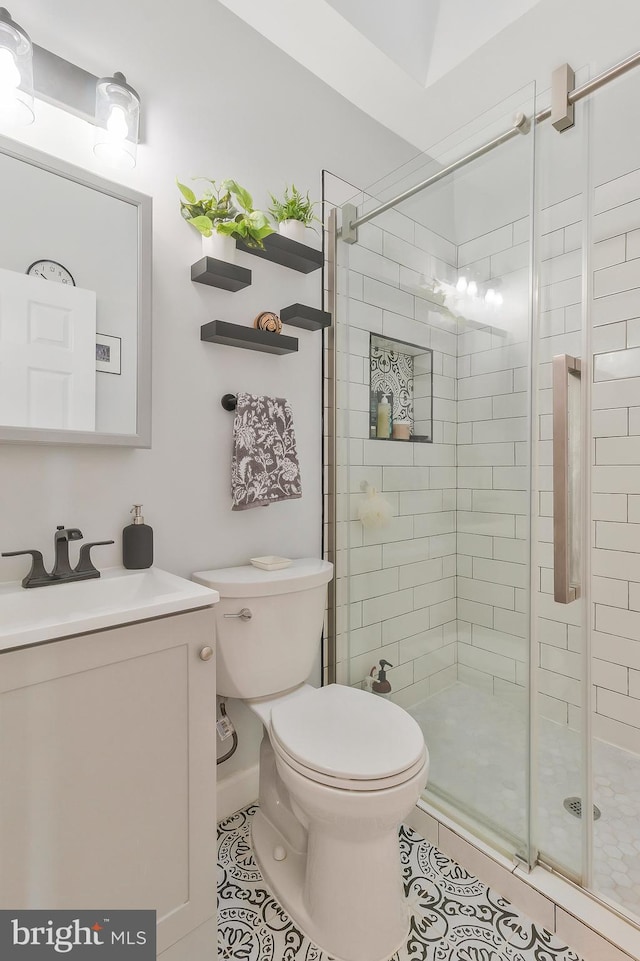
{"x":574,"y":806}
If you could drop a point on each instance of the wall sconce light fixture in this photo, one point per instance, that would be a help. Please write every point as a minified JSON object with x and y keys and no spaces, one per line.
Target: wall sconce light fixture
{"x":108,"y":103}
{"x":117,"y":121}
{"x":16,"y":73}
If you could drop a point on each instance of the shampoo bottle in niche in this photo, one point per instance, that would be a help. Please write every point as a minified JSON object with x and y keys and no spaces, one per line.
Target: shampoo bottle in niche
{"x":137,"y":542}
{"x":384,"y":418}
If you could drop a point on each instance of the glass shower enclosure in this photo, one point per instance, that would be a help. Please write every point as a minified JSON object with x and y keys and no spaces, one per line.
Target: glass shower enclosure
{"x":485,"y":360}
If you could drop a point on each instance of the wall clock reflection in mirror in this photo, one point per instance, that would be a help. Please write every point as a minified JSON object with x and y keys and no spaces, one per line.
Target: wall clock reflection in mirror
{"x":50,"y":270}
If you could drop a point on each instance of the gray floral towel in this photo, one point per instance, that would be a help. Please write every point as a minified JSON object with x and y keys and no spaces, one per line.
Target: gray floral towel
{"x":264,"y":466}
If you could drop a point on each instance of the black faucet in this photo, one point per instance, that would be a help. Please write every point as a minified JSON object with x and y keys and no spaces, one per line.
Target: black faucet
{"x":62,"y":571}
{"x":62,"y":567}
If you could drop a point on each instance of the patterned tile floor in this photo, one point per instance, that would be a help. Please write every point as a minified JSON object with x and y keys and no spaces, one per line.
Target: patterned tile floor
{"x":454,"y":916}
{"x":480,"y":765}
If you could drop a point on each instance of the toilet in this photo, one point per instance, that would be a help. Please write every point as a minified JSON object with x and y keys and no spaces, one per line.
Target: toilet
{"x":340,"y":768}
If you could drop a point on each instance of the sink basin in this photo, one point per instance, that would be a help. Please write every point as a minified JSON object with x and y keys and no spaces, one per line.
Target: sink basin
{"x":117,"y":597}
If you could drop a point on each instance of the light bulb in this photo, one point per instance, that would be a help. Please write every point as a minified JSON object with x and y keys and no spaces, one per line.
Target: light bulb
{"x":461,"y":286}
{"x":472,"y":289}
{"x":490,"y":296}
{"x":16,"y":74}
{"x":117,"y":120}
{"x":117,"y":125}
{"x":498,"y":300}
{"x":9,"y":75}
{"x":113,"y":148}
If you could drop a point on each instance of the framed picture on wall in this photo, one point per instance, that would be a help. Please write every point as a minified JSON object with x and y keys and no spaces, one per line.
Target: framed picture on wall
{"x":108,"y":350}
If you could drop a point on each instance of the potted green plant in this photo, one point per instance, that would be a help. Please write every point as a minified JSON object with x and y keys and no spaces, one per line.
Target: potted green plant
{"x":294,"y":213}
{"x":223,"y":212}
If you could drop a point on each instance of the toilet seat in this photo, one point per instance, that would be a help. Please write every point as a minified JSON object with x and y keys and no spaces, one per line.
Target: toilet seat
{"x":348,"y":784}
{"x":347,"y":738}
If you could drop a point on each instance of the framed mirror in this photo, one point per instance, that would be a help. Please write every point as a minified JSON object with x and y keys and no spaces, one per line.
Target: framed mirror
{"x":75,"y":304}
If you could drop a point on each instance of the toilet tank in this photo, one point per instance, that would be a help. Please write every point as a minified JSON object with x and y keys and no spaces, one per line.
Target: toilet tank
{"x":275,"y":649}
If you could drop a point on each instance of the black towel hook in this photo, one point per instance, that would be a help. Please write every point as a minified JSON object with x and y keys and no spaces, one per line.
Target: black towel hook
{"x":229,"y":401}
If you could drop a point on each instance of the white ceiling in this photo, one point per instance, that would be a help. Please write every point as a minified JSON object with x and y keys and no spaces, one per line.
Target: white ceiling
{"x":382,"y":55}
{"x":404,"y":30}
{"x":427,"y":38}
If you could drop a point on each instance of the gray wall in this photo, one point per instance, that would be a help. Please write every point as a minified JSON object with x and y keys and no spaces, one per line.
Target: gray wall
{"x":218,"y":100}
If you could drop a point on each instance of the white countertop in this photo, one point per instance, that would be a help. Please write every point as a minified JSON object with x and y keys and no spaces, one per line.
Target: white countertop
{"x":118,"y":597}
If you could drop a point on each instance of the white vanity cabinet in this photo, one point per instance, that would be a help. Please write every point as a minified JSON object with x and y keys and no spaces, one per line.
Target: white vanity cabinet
{"x":107,"y":776}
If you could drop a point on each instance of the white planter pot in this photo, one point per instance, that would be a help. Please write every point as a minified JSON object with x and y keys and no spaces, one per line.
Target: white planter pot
{"x":295,"y":230}
{"x":219,"y":246}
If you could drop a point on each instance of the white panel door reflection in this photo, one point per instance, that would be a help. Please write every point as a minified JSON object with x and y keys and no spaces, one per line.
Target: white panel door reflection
{"x":47,"y":354}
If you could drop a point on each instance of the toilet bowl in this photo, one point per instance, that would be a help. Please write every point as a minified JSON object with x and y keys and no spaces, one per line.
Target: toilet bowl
{"x":340,"y":768}
{"x":349,"y":767}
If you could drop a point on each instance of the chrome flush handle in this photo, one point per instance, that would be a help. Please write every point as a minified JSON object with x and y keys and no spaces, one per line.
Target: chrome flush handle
{"x":245,"y":614}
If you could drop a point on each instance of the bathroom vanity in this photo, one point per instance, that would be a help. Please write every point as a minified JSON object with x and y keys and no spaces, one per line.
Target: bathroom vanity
{"x":108,"y":758}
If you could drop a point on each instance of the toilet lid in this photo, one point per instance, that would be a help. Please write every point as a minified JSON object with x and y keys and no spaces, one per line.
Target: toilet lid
{"x":347,"y":733}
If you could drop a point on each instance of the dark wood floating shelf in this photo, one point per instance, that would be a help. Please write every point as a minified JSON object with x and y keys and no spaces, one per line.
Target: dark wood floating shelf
{"x":309,"y":318}
{"x":219,"y":273}
{"x":236,"y":335}
{"x":287,"y":252}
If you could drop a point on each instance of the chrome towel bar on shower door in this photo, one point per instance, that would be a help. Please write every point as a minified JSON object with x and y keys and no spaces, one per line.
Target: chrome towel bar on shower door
{"x":565,"y":589}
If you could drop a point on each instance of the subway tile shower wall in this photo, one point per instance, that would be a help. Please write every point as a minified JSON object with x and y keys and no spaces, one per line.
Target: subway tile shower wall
{"x":442,"y":591}
{"x":560,"y":633}
{"x":400,"y":601}
{"x":616,"y":460}
{"x":493,"y":469}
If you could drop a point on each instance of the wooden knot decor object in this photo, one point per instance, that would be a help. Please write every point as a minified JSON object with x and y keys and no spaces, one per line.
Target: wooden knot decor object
{"x":267,"y":320}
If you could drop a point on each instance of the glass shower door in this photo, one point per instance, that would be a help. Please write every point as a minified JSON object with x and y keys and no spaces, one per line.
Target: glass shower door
{"x":433,"y":315}
{"x":448,"y":544}
{"x":559,"y":664}
{"x":588,"y":702}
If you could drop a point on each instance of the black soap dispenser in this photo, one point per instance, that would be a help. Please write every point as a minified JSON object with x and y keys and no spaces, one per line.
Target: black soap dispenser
{"x":381,"y":685}
{"x":137,"y":542}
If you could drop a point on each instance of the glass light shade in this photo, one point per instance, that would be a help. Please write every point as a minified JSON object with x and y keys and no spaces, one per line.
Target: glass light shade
{"x":117,"y":121}
{"x":16,"y":74}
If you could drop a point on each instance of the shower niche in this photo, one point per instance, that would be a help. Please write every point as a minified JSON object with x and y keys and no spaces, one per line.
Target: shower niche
{"x":400,"y":391}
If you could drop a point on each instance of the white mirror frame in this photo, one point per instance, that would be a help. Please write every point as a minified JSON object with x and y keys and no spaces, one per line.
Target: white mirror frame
{"x":142,"y":437}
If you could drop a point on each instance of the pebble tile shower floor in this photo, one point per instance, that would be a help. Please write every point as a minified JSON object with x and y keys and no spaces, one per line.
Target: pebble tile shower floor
{"x":495,"y":733}
{"x":454,"y":916}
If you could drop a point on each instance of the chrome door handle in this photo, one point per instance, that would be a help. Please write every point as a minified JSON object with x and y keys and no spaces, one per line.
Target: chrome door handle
{"x":565,"y":588}
{"x":245,"y":614}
